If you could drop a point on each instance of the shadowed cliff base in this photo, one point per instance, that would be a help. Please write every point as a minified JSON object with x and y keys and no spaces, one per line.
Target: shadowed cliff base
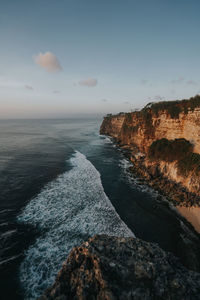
{"x":122,"y":268}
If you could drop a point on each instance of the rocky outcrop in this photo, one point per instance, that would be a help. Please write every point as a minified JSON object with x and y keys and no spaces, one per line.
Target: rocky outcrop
{"x":170,"y":120}
{"x":122,"y":268}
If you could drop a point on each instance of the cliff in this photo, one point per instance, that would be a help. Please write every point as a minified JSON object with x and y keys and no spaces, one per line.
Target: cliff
{"x":122,"y":268}
{"x":171,"y":121}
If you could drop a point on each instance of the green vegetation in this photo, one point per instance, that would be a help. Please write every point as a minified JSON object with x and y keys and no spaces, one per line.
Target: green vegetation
{"x":179,"y":150}
{"x":170,"y":150}
{"x":129,"y":117}
{"x":191,"y":162}
{"x":174,"y":108}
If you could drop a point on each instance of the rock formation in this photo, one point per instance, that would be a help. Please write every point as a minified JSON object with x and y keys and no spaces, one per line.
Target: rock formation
{"x":136,"y":131}
{"x":116,"y":268}
{"x":106,"y":268}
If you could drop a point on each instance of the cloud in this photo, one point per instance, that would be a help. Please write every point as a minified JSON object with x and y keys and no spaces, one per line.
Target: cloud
{"x":28,"y":87}
{"x":191,"y":82}
{"x":178,"y":80}
{"x":56,"y":92}
{"x":48,"y":61}
{"x":104,"y":100}
{"x":126,"y":102}
{"x":144,"y":81}
{"x":90,"y":82}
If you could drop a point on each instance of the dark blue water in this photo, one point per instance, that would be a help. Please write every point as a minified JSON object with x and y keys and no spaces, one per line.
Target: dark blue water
{"x":60,"y":182}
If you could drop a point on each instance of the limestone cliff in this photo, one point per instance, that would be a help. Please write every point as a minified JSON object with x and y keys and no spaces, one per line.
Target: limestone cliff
{"x":136,"y":131}
{"x":113,"y":124}
{"x":108,"y":268}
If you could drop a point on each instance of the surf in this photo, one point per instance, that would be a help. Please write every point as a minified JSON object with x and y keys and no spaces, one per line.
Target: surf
{"x":67,"y":211}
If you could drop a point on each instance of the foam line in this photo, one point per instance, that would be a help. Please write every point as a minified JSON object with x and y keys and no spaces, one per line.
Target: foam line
{"x":67,"y":211}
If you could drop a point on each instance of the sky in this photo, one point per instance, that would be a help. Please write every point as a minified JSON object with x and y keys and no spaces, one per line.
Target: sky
{"x":61,"y":58}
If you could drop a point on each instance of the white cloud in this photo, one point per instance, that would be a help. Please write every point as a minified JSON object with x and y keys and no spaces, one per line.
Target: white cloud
{"x":28,"y":87}
{"x":90,"y":82}
{"x":48,"y":61}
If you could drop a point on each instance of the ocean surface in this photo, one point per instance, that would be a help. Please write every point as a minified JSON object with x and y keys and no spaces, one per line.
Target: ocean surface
{"x":60,"y":183}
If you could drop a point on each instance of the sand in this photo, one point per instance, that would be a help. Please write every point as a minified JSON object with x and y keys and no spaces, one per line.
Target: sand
{"x":192,"y":214}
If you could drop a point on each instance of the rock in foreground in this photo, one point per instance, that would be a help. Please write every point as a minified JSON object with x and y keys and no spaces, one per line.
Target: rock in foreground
{"x":123,"y":268}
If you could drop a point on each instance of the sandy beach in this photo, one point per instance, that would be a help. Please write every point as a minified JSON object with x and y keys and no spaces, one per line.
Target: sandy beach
{"x":192,"y":214}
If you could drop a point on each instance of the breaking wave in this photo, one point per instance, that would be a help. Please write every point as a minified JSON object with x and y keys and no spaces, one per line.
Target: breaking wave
{"x":67,"y":211}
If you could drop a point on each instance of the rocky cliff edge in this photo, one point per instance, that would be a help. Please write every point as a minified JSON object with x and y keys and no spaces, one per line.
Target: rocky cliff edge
{"x":169,"y":121}
{"x":108,"y":268}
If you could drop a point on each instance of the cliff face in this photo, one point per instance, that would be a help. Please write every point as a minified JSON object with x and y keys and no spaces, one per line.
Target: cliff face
{"x":122,"y":268}
{"x":112,"y":125}
{"x":136,"y":131}
{"x":141,"y":129}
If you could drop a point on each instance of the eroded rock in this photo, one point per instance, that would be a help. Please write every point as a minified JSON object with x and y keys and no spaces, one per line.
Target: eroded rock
{"x":123,"y":268}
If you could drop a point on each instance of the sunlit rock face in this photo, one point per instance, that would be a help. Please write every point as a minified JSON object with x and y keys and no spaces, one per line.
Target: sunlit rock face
{"x":142,"y":129}
{"x":137,"y":130}
{"x":123,"y":268}
{"x":186,"y":126}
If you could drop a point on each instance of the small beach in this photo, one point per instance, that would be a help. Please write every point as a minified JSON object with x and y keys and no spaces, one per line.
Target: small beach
{"x":192,"y":214}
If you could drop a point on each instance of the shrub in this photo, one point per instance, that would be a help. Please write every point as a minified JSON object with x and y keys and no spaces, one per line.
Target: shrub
{"x":179,"y":150}
{"x":169,"y":150}
{"x":173,"y":108}
{"x":129,"y":117}
{"x":190,"y":162}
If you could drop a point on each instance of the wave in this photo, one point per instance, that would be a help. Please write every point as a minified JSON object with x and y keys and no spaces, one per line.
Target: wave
{"x":67,"y":211}
{"x":136,"y":182}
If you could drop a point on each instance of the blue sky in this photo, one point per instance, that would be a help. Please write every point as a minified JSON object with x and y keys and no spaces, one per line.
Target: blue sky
{"x":61,"y":58}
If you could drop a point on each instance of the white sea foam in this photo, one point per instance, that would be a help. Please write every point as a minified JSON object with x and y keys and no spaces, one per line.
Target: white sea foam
{"x":67,"y":211}
{"x":135,"y":182}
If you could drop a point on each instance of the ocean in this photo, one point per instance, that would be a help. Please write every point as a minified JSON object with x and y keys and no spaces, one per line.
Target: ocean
{"x":61,"y":183}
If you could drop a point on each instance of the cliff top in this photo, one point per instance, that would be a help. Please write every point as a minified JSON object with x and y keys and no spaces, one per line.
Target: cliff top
{"x":173,"y":108}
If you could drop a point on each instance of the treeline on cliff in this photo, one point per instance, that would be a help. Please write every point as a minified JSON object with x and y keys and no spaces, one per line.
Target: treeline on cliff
{"x":173,"y":108}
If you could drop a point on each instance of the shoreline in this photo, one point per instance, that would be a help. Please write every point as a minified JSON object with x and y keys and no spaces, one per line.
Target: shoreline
{"x":182,"y":200}
{"x":192,"y":214}
{"x":174,"y":192}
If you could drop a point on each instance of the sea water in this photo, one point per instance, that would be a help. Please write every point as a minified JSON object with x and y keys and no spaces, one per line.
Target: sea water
{"x":61,"y":183}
